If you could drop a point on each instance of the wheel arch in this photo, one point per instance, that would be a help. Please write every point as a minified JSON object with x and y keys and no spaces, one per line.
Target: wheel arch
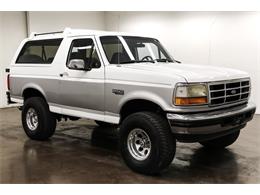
{"x":33,"y":91}
{"x":138,"y":105}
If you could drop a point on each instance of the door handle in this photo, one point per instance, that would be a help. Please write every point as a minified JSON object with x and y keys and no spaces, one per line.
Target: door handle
{"x":64,"y":74}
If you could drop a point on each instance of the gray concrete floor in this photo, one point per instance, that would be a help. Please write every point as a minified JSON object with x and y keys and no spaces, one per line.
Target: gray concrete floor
{"x":81,"y":152}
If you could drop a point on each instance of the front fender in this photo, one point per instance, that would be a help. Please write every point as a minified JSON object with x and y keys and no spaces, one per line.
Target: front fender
{"x":144,"y":95}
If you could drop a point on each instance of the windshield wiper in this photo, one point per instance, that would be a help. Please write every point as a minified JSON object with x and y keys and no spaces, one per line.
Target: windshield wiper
{"x":151,"y":61}
{"x":128,"y":62}
{"x":136,"y":61}
{"x":163,"y":60}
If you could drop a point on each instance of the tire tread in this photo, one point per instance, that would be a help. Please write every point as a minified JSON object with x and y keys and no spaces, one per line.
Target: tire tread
{"x":166,"y":139}
{"x":47,"y":120}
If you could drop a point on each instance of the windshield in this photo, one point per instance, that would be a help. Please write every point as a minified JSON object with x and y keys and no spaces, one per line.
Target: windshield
{"x":129,"y":49}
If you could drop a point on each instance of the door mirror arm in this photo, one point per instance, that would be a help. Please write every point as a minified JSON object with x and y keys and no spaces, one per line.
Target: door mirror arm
{"x":87,"y":66}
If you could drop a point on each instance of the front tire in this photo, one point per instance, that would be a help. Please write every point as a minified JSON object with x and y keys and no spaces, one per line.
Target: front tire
{"x":221,"y":142}
{"x":146,"y":142}
{"x":38,"y":122}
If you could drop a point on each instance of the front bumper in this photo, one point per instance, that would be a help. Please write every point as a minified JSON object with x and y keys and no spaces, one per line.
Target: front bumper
{"x":208,"y":125}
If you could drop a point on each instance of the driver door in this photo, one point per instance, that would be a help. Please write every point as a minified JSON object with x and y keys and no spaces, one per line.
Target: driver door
{"x":82,"y":90}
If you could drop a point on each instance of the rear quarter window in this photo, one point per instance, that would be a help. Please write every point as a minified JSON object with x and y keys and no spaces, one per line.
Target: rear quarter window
{"x":39,"y":52}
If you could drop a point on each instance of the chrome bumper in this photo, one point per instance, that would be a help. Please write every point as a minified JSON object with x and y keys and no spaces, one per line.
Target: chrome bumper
{"x":213,"y":121}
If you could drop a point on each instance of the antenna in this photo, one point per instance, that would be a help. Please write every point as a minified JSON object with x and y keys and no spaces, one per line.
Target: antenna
{"x":34,"y":34}
{"x":66,"y":31}
{"x":47,"y":33}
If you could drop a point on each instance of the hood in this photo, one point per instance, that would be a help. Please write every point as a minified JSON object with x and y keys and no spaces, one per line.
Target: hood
{"x":191,"y":72}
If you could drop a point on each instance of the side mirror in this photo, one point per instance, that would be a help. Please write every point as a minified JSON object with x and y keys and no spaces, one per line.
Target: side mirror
{"x":77,"y":64}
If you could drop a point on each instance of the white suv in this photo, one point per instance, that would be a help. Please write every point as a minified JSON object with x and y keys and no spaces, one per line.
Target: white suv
{"x":130,"y":81}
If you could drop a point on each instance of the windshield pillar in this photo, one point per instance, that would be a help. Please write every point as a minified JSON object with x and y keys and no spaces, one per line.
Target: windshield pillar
{"x":151,"y":52}
{"x":128,"y":51}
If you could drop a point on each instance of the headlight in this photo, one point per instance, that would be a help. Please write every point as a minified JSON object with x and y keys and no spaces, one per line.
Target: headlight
{"x":191,"y":94}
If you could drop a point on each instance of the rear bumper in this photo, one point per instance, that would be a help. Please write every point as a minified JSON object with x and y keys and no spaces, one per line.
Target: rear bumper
{"x":9,"y":101}
{"x":209,"y":125}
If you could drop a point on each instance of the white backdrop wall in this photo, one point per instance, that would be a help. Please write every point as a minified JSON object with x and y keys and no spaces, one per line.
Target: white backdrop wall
{"x":228,"y":39}
{"x":12,"y":31}
{"x":57,"y":21}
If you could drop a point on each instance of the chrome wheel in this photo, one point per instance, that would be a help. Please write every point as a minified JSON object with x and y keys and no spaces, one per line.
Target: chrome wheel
{"x":32,"y":119}
{"x":139,"y":144}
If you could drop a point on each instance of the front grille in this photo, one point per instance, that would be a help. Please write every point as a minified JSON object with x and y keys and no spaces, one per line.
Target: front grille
{"x":229,"y":92}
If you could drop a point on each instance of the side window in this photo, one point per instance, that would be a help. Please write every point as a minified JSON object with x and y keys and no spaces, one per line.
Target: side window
{"x":114,"y":50}
{"x":84,"y":49}
{"x":39,"y":52}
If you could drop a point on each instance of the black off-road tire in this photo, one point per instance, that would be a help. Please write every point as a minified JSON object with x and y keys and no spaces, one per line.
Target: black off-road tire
{"x":104,"y":124}
{"x":46,"y":120}
{"x":163,"y":143}
{"x":221,"y":142}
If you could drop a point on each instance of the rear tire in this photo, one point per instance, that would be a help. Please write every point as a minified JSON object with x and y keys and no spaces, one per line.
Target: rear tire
{"x":38,"y":122}
{"x":146,"y":143}
{"x":221,"y":142}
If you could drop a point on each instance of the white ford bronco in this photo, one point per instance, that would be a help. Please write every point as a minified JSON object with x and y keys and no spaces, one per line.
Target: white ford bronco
{"x":130,"y":81}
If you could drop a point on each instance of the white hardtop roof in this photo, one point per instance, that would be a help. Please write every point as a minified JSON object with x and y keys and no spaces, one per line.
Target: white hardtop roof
{"x":68,"y":32}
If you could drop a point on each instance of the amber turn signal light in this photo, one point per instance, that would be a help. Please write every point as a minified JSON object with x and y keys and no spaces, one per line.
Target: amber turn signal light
{"x":188,"y":101}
